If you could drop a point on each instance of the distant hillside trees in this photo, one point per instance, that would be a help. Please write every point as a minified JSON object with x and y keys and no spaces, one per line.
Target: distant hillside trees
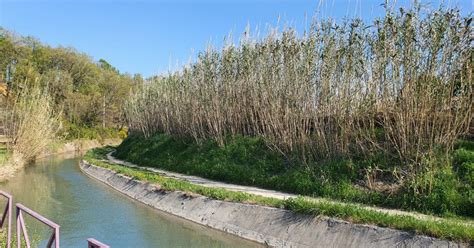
{"x":90,"y":94}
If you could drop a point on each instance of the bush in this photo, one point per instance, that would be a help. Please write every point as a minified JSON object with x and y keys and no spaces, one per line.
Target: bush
{"x":466,"y":172}
{"x":72,"y":131}
{"x":466,"y":144}
{"x":463,"y":160}
{"x":462,"y":155}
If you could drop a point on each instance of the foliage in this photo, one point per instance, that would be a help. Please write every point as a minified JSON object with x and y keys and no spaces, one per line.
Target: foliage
{"x":90,"y":94}
{"x":31,"y":125}
{"x":443,"y":228}
{"x":248,"y":161}
{"x":72,"y":131}
{"x":400,"y":86}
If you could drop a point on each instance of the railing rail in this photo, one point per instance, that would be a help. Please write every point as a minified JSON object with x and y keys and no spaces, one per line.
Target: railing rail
{"x":21,"y":227}
{"x":7,"y":214}
{"x":92,"y":243}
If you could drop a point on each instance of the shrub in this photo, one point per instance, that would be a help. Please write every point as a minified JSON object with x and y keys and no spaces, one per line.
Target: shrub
{"x":462,"y":155}
{"x":72,"y":131}
{"x":466,"y":172}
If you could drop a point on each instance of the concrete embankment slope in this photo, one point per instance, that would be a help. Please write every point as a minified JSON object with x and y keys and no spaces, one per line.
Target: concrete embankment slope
{"x":271,"y":226}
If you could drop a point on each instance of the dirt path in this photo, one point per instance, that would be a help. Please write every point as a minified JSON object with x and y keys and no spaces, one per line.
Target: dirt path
{"x":268,"y":193}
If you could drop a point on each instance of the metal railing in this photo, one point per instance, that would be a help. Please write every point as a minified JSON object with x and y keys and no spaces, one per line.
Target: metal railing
{"x":7,"y":214}
{"x":21,"y":227}
{"x":92,"y":243}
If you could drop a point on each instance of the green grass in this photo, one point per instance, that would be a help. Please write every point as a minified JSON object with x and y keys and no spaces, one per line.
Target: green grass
{"x":34,"y":238}
{"x":445,"y":228}
{"x":248,"y":161}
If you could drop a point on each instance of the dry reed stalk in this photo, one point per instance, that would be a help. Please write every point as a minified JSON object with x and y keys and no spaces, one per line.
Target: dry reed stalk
{"x":402,"y":85}
{"x":31,"y":125}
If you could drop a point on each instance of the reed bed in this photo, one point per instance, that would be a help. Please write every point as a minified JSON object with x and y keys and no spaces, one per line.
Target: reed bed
{"x":32,"y":123}
{"x":401,"y":86}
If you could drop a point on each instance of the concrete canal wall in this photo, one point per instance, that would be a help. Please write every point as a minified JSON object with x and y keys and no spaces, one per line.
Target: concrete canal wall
{"x":270,"y":226}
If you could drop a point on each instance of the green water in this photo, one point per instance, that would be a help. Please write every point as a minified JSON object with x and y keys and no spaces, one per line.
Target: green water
{"x":56,"y":188}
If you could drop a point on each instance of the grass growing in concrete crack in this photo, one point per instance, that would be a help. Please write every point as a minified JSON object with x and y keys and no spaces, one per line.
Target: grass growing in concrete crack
{"x":445,"y":228}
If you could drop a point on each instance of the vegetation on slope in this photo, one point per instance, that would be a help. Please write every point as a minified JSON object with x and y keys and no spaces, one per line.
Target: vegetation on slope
{"x":444,"y":228}
{"x":249,"y":161}
{"x":353,"y":111}
{"x":401,"y":86}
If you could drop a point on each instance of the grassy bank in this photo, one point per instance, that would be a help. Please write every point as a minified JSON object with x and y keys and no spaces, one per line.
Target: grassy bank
{"x":446,"y":228}
{"x":249,"y":161}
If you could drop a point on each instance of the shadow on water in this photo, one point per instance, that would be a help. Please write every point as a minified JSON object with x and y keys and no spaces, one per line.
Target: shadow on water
{"x":56,"y":188}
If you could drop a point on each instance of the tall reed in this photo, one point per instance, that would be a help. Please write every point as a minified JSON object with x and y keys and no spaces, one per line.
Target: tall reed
{"x":32,"y":123}
{"x":401,"y":85}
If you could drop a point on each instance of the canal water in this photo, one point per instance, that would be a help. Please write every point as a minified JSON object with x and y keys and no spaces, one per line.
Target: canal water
{"x":57,"y":189}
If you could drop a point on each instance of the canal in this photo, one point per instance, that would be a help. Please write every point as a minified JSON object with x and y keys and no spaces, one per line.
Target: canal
{"x":57,"y":189}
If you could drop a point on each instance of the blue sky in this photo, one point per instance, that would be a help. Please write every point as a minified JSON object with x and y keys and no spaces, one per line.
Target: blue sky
{"x":152,"y":37}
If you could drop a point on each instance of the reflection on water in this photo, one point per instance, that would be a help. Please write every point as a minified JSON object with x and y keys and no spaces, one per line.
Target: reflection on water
{"x":56,"y":188}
